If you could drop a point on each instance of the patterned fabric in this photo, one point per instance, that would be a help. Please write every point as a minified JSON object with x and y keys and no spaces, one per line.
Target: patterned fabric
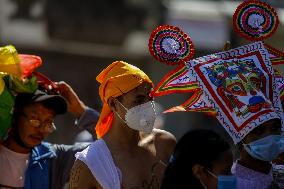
{"x":196,"y":103}
{"x":250,"y":179}
{"x":280,"y":84}
{"x":240,"y":85}
{"x":255,"y":20}
{"x":170,"y":45}
{"x":180,"y":80}
{"x":276,"y":56}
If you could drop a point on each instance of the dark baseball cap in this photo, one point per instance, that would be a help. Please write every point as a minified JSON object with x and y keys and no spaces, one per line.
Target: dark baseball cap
{"x":55,"y":102}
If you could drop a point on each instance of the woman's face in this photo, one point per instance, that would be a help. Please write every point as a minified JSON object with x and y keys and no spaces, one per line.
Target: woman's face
{"x":222,"y":166}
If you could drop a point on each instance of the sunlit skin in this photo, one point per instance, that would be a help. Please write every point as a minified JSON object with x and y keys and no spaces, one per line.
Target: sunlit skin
{"x":133,"y":98}
{"x":140,"y":160}
{"x":30,"y":136}
{"x":271,"y":127}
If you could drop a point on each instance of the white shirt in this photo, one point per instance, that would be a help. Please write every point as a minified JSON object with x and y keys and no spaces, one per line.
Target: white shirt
{"x":13,"y":166}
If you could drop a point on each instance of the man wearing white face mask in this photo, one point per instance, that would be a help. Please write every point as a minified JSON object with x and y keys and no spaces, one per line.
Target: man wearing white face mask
{"x":122,"y":157}
{"x":141,"y":117}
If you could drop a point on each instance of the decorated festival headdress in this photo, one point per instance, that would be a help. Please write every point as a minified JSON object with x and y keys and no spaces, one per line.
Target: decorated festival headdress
{"x":170,"y":45}
{"x":240,"y":85}
{"x":255,"y":20}
{"x":15,"y":77}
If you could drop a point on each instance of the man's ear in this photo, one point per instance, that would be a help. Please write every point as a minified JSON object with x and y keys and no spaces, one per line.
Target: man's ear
{"x":198,"y":171}
{"x":111,"y":103}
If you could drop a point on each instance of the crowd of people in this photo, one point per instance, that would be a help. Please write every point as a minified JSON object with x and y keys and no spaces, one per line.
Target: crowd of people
{"x":128,"y":151}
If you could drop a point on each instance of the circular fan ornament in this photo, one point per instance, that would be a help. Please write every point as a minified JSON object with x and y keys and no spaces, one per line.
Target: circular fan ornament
{"x":255,"y":20}
{"x":170,"y":45}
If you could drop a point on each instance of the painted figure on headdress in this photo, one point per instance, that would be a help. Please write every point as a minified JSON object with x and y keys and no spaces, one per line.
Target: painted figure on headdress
{"x":240,"y":84}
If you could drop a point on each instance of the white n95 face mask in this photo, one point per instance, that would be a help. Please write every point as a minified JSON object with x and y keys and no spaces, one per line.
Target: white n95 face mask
{"x":141,"y":117}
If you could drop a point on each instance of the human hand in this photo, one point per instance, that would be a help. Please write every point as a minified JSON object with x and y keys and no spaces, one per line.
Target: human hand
{"x":227,"y":46}
{"x":75,"y":105}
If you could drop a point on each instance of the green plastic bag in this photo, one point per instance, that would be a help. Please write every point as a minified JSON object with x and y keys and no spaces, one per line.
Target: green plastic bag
{"x":7,"y":101}
{"x":13,"y":85}
{"x":19,"y":86}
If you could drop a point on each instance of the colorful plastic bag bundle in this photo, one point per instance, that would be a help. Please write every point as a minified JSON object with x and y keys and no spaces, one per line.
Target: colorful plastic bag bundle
{"x":15,"y":77}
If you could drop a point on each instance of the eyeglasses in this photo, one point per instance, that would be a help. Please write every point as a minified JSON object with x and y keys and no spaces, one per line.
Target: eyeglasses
{"x":48,"y":126}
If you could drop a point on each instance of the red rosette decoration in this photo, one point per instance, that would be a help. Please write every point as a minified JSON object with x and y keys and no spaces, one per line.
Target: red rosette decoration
{"x":170,"y":45}
{"x":255,"y":20}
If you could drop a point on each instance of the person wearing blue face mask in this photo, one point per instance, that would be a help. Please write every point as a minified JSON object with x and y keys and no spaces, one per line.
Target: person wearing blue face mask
{"x":257,"y":149}
{"x":201,"y":160}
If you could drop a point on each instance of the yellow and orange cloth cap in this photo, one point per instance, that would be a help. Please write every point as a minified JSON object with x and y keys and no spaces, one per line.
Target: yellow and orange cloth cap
{"x":118,"y":78}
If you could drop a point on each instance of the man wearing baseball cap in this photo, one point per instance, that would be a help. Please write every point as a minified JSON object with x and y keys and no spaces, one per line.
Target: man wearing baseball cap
{"x":25,"y":160}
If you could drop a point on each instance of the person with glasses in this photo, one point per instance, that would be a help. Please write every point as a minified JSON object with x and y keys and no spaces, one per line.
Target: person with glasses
{"x":25,"y":160}
{"x":47,"y":126}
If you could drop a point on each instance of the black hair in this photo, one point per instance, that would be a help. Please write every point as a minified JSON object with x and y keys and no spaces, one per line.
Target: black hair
{"x":25,"y":99}
{"x":195,"y":147}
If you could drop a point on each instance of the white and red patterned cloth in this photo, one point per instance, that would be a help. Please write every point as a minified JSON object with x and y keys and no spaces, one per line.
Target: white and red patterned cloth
{"x":240,"y":85}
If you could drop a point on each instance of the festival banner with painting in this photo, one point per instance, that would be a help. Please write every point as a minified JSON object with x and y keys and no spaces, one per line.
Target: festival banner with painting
{"x":239,"y":84}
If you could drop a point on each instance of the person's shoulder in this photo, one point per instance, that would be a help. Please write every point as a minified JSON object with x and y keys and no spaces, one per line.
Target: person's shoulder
{"x":164,"y":136}
{"x":82,"y":177}
{"x":165,"y":143}
{"x":161,"y":137}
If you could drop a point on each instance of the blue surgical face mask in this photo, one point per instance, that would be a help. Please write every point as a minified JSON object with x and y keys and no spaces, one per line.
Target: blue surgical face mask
{"x":227,"y":182}
{"x":224,"y":181}
{"x":267,"y":148}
